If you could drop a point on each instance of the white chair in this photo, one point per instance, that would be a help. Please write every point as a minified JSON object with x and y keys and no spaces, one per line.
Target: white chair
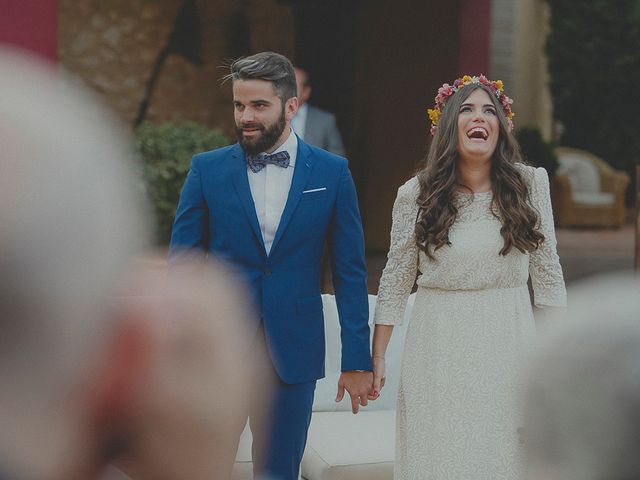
{"x":587,"y":191}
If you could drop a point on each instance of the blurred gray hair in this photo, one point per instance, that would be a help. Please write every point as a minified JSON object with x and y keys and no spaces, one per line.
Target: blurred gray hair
{"x":70,"y":220}
{"x":582,"y":408}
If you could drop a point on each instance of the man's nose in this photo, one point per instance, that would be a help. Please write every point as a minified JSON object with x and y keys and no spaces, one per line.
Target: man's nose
{"x":247,"y":115}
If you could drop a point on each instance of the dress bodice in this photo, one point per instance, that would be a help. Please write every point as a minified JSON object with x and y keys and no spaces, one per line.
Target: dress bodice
{"x":472,"y":260}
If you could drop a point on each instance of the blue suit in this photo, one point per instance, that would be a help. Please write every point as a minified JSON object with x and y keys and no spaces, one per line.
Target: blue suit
{"x":216,"y":214}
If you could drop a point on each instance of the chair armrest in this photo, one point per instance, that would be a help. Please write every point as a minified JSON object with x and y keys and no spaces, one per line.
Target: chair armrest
{"x":561,"y":189}
{"x":615,"y":183}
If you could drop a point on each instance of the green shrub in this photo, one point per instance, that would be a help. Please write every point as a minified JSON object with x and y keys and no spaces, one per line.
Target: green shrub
{"x":166,"y":152}
{"x":594,"y":67}
{"x":536,"y":151}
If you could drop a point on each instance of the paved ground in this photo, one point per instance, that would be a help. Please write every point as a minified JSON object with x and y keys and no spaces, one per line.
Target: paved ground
{"x":587,"y":252}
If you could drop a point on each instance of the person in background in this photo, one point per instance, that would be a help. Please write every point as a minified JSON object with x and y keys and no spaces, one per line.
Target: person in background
{"x":188,"y":405}
{"x":92,"y":368}
{"x":582,"y":396}
{"x":312,"y":124}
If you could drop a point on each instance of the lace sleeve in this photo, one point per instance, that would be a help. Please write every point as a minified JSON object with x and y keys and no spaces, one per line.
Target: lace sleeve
{"x":400,"y":272}
{"x":544,"y":265}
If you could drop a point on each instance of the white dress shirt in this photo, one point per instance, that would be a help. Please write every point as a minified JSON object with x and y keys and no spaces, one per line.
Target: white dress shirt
{"x":299,"y":121}
{"x":270,"y":190}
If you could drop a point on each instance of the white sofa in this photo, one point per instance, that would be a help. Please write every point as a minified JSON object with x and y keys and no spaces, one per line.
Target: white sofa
{"x":340,"y":445}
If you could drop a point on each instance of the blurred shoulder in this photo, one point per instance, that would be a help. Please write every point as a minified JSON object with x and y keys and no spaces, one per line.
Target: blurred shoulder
{"x":321,"y":115}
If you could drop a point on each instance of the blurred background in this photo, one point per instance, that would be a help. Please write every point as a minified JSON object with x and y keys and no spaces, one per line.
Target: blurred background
{"x":572,"y":68}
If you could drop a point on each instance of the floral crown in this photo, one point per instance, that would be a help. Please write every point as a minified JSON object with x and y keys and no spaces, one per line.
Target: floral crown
{"x":446,"y":90}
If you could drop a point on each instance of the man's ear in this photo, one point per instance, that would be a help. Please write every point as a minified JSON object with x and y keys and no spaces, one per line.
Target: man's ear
{"x":116,"y":382}
{"x":290,"y":108}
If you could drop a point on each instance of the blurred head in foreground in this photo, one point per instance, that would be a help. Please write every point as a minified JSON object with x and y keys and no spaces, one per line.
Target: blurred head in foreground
{"x":86,"y":375}
{"x":582,"y":409}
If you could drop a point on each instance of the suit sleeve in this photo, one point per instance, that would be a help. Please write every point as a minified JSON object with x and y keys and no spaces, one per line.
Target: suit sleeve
{"x":190,"y":227}
{"x":346,"y":248}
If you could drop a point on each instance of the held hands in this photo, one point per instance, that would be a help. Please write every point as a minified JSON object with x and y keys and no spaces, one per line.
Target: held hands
{"x":358,"y":385}
{"x":363,"y":386}
{"x":379,"y":377}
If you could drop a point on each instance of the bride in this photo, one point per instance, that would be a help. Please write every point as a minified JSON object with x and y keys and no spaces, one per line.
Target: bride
{"x":473,"y":224}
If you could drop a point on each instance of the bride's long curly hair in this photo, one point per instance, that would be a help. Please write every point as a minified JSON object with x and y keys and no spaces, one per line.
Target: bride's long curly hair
{"x":439,"y":183}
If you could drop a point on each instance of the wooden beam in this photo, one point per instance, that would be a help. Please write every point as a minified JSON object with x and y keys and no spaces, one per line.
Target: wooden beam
{"x":31,"y":25}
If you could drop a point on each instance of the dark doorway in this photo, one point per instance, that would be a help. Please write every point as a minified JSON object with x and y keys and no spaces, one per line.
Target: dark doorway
{"x":377,"y":65}
{"x":325,"y":47}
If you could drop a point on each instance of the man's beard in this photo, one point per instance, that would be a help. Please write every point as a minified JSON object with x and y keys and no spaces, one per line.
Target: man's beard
{"x":266,"y":140}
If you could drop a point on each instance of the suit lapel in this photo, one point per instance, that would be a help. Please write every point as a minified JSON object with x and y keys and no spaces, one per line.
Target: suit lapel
{"x":241,"y":184}
{"x":304,"y":162}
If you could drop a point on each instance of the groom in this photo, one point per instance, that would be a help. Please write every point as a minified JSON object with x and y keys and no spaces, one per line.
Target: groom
{"x":267,"y":205}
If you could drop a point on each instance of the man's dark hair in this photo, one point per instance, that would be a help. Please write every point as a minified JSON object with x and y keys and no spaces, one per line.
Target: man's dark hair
{"x":269,"y":66}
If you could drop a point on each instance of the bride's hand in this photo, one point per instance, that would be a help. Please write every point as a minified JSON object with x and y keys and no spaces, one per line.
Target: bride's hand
{"x":379,"y":377}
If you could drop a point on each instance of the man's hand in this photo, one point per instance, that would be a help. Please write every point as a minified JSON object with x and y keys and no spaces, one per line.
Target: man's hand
{"x":357,"y":384}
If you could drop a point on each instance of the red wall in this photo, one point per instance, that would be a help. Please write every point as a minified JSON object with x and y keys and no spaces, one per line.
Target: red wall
{"x":475,"y":31}
{"x":30,"y":24}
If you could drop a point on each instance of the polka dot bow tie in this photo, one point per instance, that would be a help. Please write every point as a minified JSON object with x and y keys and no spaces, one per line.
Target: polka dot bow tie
{"x":258,"y":162}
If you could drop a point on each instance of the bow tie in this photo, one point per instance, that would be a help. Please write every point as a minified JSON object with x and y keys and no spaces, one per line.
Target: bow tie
{"x":258,"y":162}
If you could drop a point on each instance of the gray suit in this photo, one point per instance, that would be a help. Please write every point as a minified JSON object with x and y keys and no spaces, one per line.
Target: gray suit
{"x":322,"y":131}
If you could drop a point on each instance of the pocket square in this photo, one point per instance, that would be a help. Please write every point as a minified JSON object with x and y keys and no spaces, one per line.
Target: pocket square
{"x":315,"y":190}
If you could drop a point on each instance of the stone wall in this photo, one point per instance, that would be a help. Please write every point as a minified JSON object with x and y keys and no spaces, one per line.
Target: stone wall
{"x":112,"y":46}
{"x":518,"y":34}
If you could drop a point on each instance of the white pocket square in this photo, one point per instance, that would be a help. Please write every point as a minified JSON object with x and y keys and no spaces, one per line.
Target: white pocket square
{"x":315,"y":190}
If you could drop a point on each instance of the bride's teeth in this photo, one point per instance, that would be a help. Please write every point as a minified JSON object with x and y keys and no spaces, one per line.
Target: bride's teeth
{"x":482,"y":132}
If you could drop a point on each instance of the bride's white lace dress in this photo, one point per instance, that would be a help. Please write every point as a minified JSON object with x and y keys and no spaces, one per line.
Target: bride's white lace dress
{"x":472,"y":322}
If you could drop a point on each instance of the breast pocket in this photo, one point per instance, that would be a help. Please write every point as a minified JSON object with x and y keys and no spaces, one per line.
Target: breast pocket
{"x":312,"y":195}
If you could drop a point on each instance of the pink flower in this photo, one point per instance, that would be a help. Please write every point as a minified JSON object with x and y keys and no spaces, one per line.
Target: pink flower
{"x":445,"y":90}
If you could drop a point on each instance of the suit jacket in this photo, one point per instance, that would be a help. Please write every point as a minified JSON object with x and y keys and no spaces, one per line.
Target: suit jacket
{"x":216,"y":214}
{"x":322,"y":131}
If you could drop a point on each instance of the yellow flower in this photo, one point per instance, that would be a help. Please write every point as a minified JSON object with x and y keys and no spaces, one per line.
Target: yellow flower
{"x":499,"y":84}
{"x":434,"y":115}
{"x":466,"y":79}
